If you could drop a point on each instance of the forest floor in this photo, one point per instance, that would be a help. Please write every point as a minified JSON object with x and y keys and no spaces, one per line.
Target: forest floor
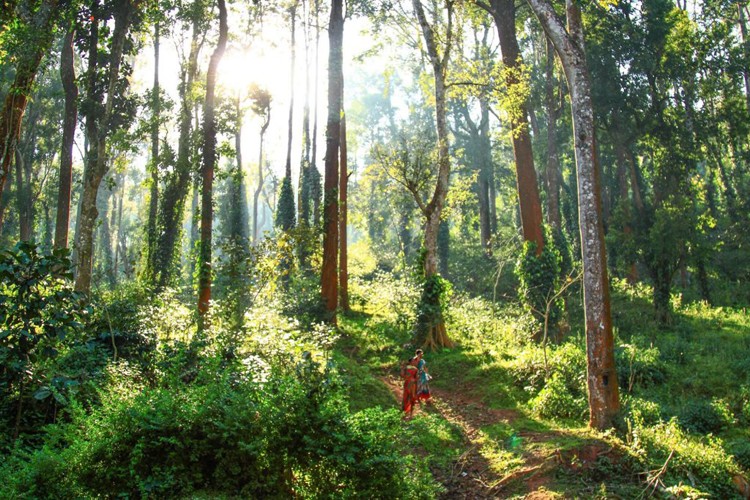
{"x":532,"y":469}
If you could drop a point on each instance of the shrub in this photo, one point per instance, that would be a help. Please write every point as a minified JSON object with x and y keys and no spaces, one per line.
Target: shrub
{"x":639,"y":367}
{"x":290,"y":435}
{"x":40,"y":318}
{"x":741,"y":452}
{"x":539,"y":277}
{"x":555,"y":401}
{"x":641,"y":411}
{"x":700,"y":462}
{"x":705,"y":417}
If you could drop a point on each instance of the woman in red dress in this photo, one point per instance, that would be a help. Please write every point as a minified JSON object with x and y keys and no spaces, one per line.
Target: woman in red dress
{"x":409,"y":372}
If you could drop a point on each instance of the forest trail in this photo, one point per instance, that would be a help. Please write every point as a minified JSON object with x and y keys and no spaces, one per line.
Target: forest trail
{"x":474,"y":475}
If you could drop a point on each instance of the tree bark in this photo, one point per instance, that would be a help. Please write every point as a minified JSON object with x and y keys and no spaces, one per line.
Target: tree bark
{"x":746,"y":49}
{"x":67,"y":75}
{"x":207,"y":170}
{"x":602,"y":377}
{"x":97,"y":130}
{"x":261,"y":177}
{"x":14,"y":106}
{"x":293,"y":21}
{"x":23,"y":197}
{"x":239,"y":224}
{"x":153,"y":204}
{"x":328,"y":278}
{"x":120,"y":252}
{"x":553,"y":166}
{"x":303,"y":191}
{"x":177,"y":185}
{"x":504,"y":14}
{"x":313,"y":169}
{"x":436,"y":335}
{"x":343,"y":250}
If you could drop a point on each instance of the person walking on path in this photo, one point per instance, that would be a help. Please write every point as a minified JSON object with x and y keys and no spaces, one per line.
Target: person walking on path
{"x":410,"y":373}
{"x":423,"y":377}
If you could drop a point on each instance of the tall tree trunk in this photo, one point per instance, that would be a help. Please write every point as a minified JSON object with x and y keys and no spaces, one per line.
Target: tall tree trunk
{"x":207,"y":170}
{"x":314,"y":173}
{"x":23,"y":197}
{"x":105,"y":262}
{"x":67,"y":75}
{"x":303,"y":192}
{"x":285,"y":212}
{"x":436,"y":335}
{"x":553,"y":167}
{"x":153,"y":204}
{"x":602,"y":377}
{"x":42,"y":34}
{"x":97,"y":130}
{"x":177,"y":185}
{"x":328,"y":276}
{"x":746,"y":49}
{"x":292,"y":62}
{"x":504,"y":14}
{"x":343,"y":186}
{"x":261,"y":178}
{"x":239,"y":206}
{"x":486,"y":177}
{"x":194,"y":241}
{"x":120,"y":238}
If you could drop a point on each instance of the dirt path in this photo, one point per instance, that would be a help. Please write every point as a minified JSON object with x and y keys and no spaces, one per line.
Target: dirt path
{"x":471,"y":475}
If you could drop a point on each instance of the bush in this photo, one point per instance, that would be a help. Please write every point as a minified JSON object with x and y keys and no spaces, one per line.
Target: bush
{"x":705,"y":417}
{"x":702,"y":463}
{"x":41,"y":316}
{"x":290,"y":435}
{"x":567,"y":362}
{"x":741,"y":452}
{"x":639,"y":367}
{"x":641,"y":411}
{"x":539,"y":278}
{"x":555,"y":401}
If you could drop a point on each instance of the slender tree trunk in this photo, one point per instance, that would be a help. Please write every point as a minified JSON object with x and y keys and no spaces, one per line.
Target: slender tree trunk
{"x":120,"y":239}
{"x":303,"y":191}
{"x":333,"y":136}
{"x":67,"y":75}
{"x":177,"y":185}
{"x":553,"y":168}
{"x":23,"y":198}
{"x":314,"y":173}
{"x":261,"y":179}
{"x":343,"y":186}
{"x":436,"y":336}
{"x":484,"y":152}
{"x":746,"y":49}
{"x":292,"y":62}
{"x":602,"y":377}
{"x":504,"y":14}
{"x":97,"y":130}
{"x":153,"y":205}
{"x":207,"y":170}
{"x":194,"y":241}
{"x":240,"y":222}
{"x":42,"y":33}
{"x":105,"y":262}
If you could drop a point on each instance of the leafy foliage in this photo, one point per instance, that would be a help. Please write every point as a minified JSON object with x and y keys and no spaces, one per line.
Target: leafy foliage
{"x":286,"y":214}
{"x":40,"y":315}
{"x":539,"y":278}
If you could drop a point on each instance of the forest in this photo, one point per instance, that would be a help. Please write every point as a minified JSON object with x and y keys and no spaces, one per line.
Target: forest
{"x":456,"y":249}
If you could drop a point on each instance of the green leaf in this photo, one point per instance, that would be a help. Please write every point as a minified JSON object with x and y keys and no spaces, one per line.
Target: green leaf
{"x":42,"y":393}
